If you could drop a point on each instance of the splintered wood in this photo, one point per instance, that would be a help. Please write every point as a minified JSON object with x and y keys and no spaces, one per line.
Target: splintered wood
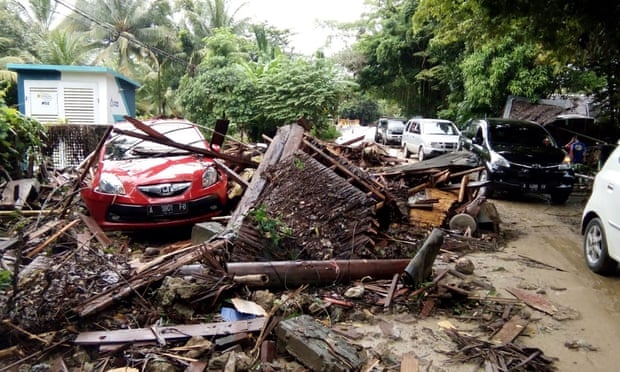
{"x":505,"y":357}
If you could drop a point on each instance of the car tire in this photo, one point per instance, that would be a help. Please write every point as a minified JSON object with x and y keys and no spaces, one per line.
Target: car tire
{"x":421,"y":156}
{"x":595,"y":248}
{"x":406,"y":151}
{"x":559,"y":197}
{"x":486,"y":190}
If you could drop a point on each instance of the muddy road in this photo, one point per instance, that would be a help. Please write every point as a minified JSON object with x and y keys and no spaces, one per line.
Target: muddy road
{"x":542,"y":253}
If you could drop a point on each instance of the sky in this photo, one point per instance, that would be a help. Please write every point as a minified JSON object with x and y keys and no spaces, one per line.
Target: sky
{"x":300,"y":16}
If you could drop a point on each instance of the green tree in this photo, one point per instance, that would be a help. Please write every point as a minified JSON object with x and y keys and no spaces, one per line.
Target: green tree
{"x":127,"y":31}
{"x":59,"y":47}
{"x":211,"y":92}
{"x":22,"y":139}
{"x":361,"y":107}
{"x":301,"y":88}
{"x":200,"y":18}
{"x":584,"y":37}
{"x":394,"y":60}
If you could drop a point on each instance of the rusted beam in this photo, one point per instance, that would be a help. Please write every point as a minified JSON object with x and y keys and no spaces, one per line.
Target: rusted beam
{"x":295,"y":273}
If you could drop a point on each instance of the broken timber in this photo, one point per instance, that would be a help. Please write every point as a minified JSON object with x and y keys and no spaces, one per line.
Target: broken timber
{"x":169,"y":333}
{"x":286,"y":141}
{"x":186,"y":256}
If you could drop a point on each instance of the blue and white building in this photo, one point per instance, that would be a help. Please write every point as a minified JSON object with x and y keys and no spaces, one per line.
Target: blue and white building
{"x":54,"y":94}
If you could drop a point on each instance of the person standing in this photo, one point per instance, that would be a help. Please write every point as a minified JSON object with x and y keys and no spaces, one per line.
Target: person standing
{"x":576,"y":150}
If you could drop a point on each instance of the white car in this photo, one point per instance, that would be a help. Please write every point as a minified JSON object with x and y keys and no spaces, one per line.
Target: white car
{"x":600,"y":222}
{"x":429,"y":137}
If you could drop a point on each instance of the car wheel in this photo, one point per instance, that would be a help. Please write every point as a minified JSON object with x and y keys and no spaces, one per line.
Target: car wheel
{"x":560,"y":197}
{"x":595,"y":249}
{"x":486,"y":190}
{"x":407,"y":153}
{"x":421,"y":153}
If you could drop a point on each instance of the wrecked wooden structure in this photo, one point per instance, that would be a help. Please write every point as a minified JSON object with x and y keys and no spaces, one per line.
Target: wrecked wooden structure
{"x":331,"y":224}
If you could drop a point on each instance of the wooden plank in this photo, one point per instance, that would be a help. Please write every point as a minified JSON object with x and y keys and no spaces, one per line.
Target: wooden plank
{"x":96,"y":230}
{"x":436,"y":216}
{"x":51,"y":239}
{"x":231,"y":173}
{"x":510,"y":330}
{"x":258,"y":181}
{"x":169,"y":333}
{"x":16,"y":192}
{"x":409,"y":363}
{"x":145,"y":128}
{"x":49,"y":225}
{"x":533,"y":300}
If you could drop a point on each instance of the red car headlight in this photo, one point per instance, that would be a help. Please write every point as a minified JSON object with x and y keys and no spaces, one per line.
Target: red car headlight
{"x":209,"y":177}
{"x":110,"y":184}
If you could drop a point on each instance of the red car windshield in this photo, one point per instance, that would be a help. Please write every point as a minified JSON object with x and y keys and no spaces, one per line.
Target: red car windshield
{"x":123,"y":147}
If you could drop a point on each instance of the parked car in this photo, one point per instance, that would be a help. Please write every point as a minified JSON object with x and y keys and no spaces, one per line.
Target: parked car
{"x":429,"y":137}
{"x":389,"y":131}
{"x":139,"y":184}
{"x":520,"y":157}
{"x":600,"y":221}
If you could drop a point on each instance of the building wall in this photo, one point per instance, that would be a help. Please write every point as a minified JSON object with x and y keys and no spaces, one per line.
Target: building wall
{"x":74,"y":94}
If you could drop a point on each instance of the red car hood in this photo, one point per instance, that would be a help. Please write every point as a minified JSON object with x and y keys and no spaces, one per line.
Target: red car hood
{"x":155,"y":170}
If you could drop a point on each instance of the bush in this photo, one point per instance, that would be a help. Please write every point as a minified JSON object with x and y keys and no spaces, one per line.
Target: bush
{"x":21,"y":139}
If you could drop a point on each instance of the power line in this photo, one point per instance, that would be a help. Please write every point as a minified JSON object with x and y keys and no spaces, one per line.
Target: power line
{"x":124,"y":35}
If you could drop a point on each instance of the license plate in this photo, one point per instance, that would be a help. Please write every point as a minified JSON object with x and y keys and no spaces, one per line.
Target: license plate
{"x":532,"y":187}
{"x":166,"y":209}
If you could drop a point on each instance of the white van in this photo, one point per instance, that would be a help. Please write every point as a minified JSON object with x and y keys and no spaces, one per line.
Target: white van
{"x":429,"y":137}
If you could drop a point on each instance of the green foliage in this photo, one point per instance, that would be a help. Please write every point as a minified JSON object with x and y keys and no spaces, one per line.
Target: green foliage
{"x":262,"y":94}
{"x":327,"y":133}
{"x":501,"y":68}
{"x":360,"y":107}
{"x":271,"y":228}
{"x":5,"y":279}
{"x":21,"y":139}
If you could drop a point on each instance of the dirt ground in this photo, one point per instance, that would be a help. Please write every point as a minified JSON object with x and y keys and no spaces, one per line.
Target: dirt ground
{"x":583,"y":335}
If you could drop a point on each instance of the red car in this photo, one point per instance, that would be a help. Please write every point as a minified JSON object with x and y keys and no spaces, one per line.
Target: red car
{"x":140,"y":184}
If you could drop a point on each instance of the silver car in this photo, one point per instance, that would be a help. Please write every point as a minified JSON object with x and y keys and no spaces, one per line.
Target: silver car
{"x":600,"y":222}
{"x":429,"y":137}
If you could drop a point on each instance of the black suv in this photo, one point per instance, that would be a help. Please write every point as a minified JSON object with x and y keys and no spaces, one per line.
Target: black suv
{"x":519,"y":156}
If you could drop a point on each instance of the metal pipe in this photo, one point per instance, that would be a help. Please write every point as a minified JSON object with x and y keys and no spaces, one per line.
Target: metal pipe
{"x":295,"y":273}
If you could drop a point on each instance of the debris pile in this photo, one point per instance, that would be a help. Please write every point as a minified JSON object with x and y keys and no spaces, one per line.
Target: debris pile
{"x":320,"y":235}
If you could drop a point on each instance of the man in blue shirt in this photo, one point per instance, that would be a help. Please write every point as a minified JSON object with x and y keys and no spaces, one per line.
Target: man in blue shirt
{"x":576,"y":151}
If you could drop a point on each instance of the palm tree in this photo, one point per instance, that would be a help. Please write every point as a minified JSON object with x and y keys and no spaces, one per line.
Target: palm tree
{"x":200,"y":19}
{"x":126,"y":30}
{"x":59,"y":47}
{"x":39,"y":14}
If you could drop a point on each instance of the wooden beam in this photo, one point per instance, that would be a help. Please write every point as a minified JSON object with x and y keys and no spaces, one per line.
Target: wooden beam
{"x":169,"y":333}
